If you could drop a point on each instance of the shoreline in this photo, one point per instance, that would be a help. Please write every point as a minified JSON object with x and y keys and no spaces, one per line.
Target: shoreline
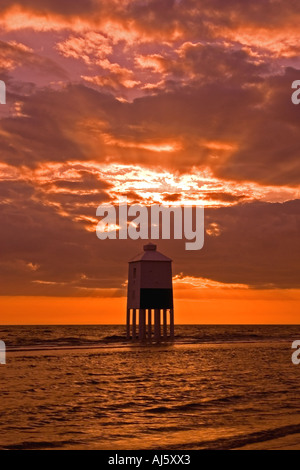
{"x":145,"y":345}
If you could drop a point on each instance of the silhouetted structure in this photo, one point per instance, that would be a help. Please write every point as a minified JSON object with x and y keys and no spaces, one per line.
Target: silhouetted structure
{"x":150,"y":290}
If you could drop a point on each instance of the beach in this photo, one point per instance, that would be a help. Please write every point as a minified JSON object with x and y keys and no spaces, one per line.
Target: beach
{"x":84,"y":387}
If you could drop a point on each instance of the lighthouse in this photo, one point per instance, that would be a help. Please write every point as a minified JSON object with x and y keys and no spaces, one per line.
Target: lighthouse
{"x":150,"y":296}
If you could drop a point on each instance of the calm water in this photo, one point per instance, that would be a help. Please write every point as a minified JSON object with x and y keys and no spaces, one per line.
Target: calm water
{"x":82,"y":387}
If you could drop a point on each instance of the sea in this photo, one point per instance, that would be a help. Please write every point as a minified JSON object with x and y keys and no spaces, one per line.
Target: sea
{"x":85,"y":387}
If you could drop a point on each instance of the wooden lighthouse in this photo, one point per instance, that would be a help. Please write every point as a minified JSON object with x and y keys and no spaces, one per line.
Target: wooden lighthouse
{"x":150,"y":296}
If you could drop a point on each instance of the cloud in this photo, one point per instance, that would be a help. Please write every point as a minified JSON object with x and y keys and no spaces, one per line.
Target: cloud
{"x":253,"y":244}
{"x":91,"y":47}
{"x":237,"y":133}
{"x":225,"y":197}
{"x":116,"y":78}
{"x":172,"y":197}
{"x":47,"y":249}
{"x":199,"y":62}
{"x":168,"y":20}
{"x":14,"y":54}
{"x":173,"y":101}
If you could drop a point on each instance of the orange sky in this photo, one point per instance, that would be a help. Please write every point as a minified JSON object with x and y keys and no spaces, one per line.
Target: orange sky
{"x":169,"y":103}
{"x":221,"y":308}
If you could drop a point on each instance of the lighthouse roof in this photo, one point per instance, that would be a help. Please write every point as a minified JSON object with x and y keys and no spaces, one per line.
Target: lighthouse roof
{"x":150,"y":254}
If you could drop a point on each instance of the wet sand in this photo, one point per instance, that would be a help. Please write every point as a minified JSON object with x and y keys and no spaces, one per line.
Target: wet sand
{"x":283,"y":443}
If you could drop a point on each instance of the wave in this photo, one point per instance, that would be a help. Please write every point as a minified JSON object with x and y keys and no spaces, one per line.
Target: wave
{"x":227,"y":443}
{"x":59,"y":337}
{"x":195,"y":405}
{"x":40,"y":445}
{"x":240,"y":441}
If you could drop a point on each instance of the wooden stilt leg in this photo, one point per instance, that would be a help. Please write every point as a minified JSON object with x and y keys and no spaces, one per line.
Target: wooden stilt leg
{"x":165,"y":323}
{"x":149,"y":324}
{"x":172,"y":324}
{"x":157,"y":325}
{"x":142,"y":325}
{"x":134,"y":324}
{"x":128,"y":324}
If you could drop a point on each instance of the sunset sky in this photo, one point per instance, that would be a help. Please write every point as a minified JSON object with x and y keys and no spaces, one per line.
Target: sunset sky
{"x":162,"y":101}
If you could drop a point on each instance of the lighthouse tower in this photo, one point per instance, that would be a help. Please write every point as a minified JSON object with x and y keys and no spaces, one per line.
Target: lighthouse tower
{"x":150,"y":296}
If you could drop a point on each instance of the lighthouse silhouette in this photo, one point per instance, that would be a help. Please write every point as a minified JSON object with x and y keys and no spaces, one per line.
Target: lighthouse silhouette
{"x":150,"y":296}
